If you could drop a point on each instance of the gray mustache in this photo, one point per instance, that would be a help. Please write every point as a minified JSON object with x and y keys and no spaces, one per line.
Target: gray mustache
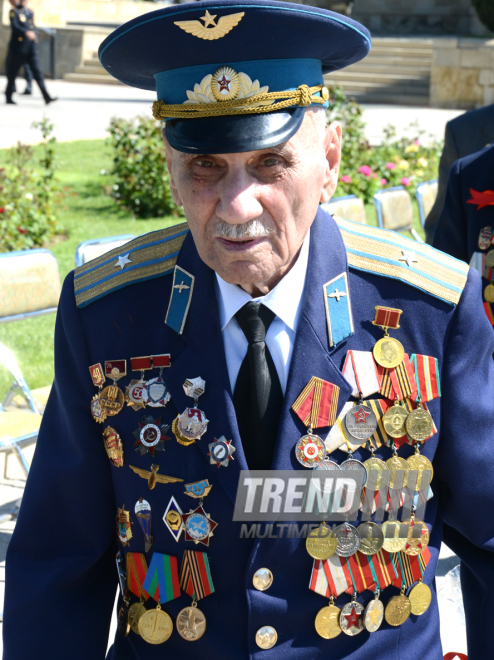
{"x":252,"y":229}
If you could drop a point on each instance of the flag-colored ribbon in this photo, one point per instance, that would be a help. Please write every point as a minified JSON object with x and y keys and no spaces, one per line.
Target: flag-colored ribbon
{"x":399,"y":382}
{"x":136,"y":573}
{"x":161,"y":580}
{"x":426,"y":369}
{"x":481,"y":199}
{"x":361,"y":372}
{"x":387,"y":317}
{"x":195,"y":575}
{"x":317,"y":404}
{"x":410,"y":567}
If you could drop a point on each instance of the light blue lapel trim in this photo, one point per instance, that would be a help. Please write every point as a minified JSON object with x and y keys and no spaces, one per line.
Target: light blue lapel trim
{"x":178,"y":308}
{"x":338,"y":309}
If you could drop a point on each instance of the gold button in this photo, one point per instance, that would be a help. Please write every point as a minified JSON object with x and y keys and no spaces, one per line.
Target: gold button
{"x":266,"y":637}
{"x":263,"y":579}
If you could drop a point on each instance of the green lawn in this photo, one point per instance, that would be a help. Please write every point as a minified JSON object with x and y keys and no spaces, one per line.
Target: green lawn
{"x":88,"y":213}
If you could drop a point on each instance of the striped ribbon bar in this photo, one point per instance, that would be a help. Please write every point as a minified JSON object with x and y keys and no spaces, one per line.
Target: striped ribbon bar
{"x":426,"y":370}
{"x":195,"y":576}
{"x":361,"y":573}
{"x":383,"y":569}
{"x":488,"y":312}
{"x":387,"y":317}
{"x":398,"y":383}
{"x":360,"y":370}
{"x":317,"y":404}
{"x":330,"y":577}
{"x":162,"y":578}
{"x":137,"y":569}
{"x":410,"y":567}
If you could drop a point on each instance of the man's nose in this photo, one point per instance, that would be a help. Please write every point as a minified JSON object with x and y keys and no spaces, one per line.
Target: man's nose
{"x":238,"y":198}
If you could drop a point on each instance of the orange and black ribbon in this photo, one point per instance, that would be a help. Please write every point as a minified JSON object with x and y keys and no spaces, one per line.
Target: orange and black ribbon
{"x":317,"y":404}
{"x":136,"y":574}
{"x":410,"y":567}
{"x":195,"y":576}
{"x":398,"y":383}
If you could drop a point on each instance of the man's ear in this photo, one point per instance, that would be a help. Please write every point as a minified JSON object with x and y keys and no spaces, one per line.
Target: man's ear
{"x":169,"y":163}
{"x":332,"y":147}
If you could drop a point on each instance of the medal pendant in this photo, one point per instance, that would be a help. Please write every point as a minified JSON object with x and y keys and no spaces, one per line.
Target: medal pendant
{"x":198,"y":526}
{"x":489,"y":259}
{"x":179,"y":437}
{"x":135,"y":612}
{"x":392,"y":542}
{"x":96,"y":410}
{"x":489,"y":293}
{"x":310,"y":450}
{"x":192,"y":424}
{"x":388,"y":352}
{"x":395,"y":464}
{"x":124,"y":526}
{"x":354,"y":465}
{"x":348,"y":540}
{"x":420,"y":598}
{"x":111,"y":400}
{"x":371,"y":538}
{"x":394,"y":420}
{"x":419,"y":424}
{"x":191,"y":623}
{"x":327,"y":622}
{"x":150,"y":435}
{"x":155,"y":626}
{"x":113,"y":446}
{"x":351,"y":619}
{"x":325,"y":464}
{"x":321,"y":543}
{"x":374,"y":615}
{"x":221,"y":452}
{"x":377,"y":465}
{"x":421,"y":464}
{"x":397,"y":610}
{"x":123,"y":619}
{"x":418,"y":537}
{"x":361,"y":422}
{"x":157,"y":394}
{"x":136,"y":394}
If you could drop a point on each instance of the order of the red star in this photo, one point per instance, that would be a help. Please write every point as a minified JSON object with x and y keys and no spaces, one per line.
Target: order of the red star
{"x":361,"y":416}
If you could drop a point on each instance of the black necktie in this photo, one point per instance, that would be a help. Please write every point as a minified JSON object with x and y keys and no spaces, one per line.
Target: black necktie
{"x":258,"y":397}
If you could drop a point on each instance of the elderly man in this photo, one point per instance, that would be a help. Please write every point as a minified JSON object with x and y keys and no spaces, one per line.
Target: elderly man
{"x":253,"y":334}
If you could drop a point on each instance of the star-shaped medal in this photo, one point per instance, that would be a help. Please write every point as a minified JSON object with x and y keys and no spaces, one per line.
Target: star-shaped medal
{"x":352,"y":618}
{"x":150,"y":435}
{"x":361,"y":415}
{"x":198,"y":526}
{"x":123,"y":260}
{"x":374,"y":616}
{"x":220,"y":451}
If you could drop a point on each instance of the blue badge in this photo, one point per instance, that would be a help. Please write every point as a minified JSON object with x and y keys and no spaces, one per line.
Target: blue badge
{"x":338,"y":309}
{"x":183,"y":286}
{"x":198,"y":488}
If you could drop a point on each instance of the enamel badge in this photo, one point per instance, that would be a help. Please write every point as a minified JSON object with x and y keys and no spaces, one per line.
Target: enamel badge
{"x":198,"y":526}
{"x":113,"y":446}
{"x":143,"y":512}
{"x":124,"y":526}
{"x":173,"y":519}
{"x":221,"y":451}
{"x":150,"y":436}
{"x":198,"y":489}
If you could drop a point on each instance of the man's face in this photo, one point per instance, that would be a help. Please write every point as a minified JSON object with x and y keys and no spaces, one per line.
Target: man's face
{"x":250,"y":212}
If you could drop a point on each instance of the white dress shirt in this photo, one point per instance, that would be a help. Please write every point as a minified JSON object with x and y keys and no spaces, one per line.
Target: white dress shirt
{"x":285,"y":300}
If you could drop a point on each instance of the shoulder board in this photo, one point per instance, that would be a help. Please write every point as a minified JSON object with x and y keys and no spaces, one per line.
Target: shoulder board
{"x":393,"y":255}
{"x":152,"y":255}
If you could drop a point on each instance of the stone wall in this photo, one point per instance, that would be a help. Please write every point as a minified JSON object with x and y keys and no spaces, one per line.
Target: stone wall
{"x":462,"y":74}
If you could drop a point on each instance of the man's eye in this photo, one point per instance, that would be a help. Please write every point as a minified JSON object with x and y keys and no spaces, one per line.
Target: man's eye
{"x":270,"y":162}
{"x":205,"y":163}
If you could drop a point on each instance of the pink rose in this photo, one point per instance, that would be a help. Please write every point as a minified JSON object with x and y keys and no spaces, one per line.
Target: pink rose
{"x":345,"y":178}
{"x":405,"y":181}
{"x":390,"y":166}
{"x":383,"y":182}
{"x":365,"y":170}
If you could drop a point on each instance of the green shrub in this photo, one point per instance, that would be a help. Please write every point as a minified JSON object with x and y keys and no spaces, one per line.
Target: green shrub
{"x":485,"y":11}
{"x":29,"y":195}
{"x":140,"y":179}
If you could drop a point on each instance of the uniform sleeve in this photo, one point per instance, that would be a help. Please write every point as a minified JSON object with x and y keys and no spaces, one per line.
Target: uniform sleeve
{"x":464,"y":462}
{"x":451,"y":230}
{"x":16,"y":23}
{"x":60,"y":569}
{"x":448,"y":157}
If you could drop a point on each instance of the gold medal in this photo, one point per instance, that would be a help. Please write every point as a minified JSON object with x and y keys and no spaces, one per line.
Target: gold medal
{"x":489,"y":259}
{"x":394,"y":465}
{"x":371,"y":538}
{"x":392,"y":541}
{"x":420,"y":598}
{"x":191,"y":623}
{"x":489,"y":293}
{"x":180,"y":438}
{"x":419,"y":424}
{"x":375,"y":464}
{"x":421,"y":464}
{"x":418,"y":537}
{"x":398,"y":610}
{"x":135,"y":612}
{"x":394,"y":420}
{"x":388,"y":352}
{"x":155,"y":626}
{"x":321,"y":544}
{"x":327,"y":621}
{"x":374,"y":615}
{"x":111,"y":400}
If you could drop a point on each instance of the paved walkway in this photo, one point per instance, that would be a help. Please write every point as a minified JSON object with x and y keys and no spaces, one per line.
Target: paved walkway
{"x":83,"y":112}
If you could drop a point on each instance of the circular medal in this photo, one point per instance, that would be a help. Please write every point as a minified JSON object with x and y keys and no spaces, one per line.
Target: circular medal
{"x":373,"y":615}
{"x":321,"y":542}
{"x":351,"y":620}
{"x":357,"y":466}
{"x":388,"y":352}
{"x":377,"y":465}
{"x":394,"y":465}
{"x":136,"y":394}
{"x":489,"y":293}
{"x":150,"y":435}
{"x":394,"y":421}
{"x":155,"y":626}
{"x":371,"y":538}
{"x":361,"y":422}
{"x":419,"y":424}
{"x":489,"y":259}
{"x":157,"y":394}
{"x":421,"y":463}
{"x":96,"y":410}
{"x":327,"y":622}
{"x":397,"y":610}
{"x":180,"y":438}
{"x":420,"y":598}
{"x":348,"y":540}
{"x":192,"y":424}
{"x":418,"y":537}
{"x":197,"y":527}
{"x":191,"y":623}
{"x":310,"y":450}
{"x":392,"y":541}
{"x":111,"y":400}
{"x":325,"y":464}
{"x":135,"y":612}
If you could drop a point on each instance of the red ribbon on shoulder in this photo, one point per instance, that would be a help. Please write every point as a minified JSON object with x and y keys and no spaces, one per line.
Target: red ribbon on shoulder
{"x":481,"y":199}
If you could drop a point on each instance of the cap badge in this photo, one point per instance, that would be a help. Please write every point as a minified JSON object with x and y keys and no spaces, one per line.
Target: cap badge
{"x":225,"y":84}
{"x":224,"y":26}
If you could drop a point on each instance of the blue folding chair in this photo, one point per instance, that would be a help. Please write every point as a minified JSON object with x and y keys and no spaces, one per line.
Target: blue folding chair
{"x":95,"y":247}
{"x":349,"y":207}
{"x":395,"y":211}
{"x":426,"y":196}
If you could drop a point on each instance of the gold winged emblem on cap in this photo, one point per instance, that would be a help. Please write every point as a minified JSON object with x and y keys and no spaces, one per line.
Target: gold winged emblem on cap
{"x":224,"y":25}
{"x":153,"y":477}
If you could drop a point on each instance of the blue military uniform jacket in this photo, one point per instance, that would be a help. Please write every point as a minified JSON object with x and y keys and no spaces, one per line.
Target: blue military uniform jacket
{"x":21,"y":21}
{"x":61,"y":576}
{"x":466,"y":225}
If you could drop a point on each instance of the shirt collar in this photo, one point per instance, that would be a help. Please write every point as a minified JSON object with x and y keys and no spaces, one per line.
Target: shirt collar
{"x":284,"y":300}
